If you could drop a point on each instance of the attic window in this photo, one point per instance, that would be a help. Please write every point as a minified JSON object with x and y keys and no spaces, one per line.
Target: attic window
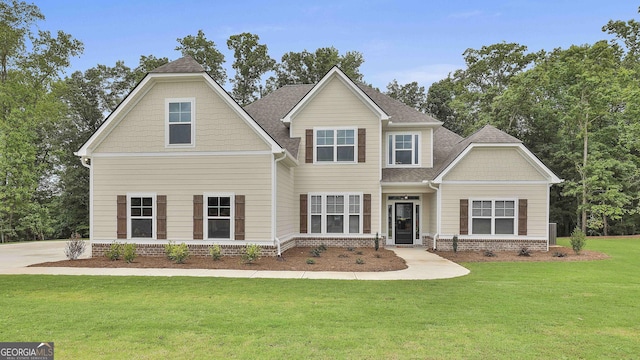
{"x":180,"y":115}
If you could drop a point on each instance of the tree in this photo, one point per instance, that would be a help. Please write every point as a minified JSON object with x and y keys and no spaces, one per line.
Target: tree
{"x":473,"y":90}
{"x":308,"y":68}
{"x":146,"y":64}
{"x":410,"y":94}
{"x":251,"y":62}
{"x":29,"y":114}
{"x":205,"y":53}
{"x":438,"y":104}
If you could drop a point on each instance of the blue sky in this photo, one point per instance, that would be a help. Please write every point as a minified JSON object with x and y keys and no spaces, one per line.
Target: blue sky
{"x":405,"y":40}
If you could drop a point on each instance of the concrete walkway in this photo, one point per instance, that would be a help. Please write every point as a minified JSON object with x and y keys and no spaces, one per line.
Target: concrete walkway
{"x":422,"y":265}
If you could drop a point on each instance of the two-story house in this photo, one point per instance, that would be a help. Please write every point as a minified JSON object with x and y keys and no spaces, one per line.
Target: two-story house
{"x":334,"y":163}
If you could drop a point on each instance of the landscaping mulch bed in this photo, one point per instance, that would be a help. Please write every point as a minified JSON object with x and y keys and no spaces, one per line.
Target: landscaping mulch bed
{"x":332,"y":259}
{"x":479,"y":256}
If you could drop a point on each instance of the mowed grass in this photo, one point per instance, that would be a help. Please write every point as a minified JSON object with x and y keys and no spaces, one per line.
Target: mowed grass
{"x":571,"y":310}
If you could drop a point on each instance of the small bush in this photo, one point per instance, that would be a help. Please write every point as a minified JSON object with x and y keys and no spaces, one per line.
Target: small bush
{"x":359,"y":253}
{"x":315,"y":252}
{"x":114,"y":252}
{"x":559,"y":254}
{"x":359,"y":261}
{"x":322,"y":247}
{"x":455,"y":243}
{"x":129,"y":253}
{"x":216,"y":252}
{"x":489,"y":253}
{"x":251,"y":253}
{"x":524,"y":251}
{"x":350,"y":248}
{"x":75,"y":247}
{"x":311,"y":261}
{"x":177,"y":253}
{"x":578,"y":240}
{"x":342,"y":256}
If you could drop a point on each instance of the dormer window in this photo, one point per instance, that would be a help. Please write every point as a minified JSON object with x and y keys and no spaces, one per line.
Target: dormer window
{"x":180,"y":122}
{"x":404,"y":149}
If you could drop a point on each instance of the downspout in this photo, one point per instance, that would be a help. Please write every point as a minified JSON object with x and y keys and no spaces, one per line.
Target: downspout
{"x":437,"y":190}
{"x":274,"y":198}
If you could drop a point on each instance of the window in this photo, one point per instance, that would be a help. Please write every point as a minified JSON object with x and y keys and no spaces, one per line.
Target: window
{"x":141,"y":216}
{"x":493,"y":217}
{"x":218,"y":212}
{"x":336,"y":214}
{"x":335,"y":145}
{"x":180,"y":122}
{"x":403,"y":149}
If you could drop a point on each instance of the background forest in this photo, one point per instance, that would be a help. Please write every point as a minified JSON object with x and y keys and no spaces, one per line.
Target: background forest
{"x":577,"y":109}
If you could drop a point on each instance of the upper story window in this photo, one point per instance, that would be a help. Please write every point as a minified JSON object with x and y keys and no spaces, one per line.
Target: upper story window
{"x":404,"y":149}
{"x":180,"y":123}
{"x":493,"y":217}
{"x":335,"y":145}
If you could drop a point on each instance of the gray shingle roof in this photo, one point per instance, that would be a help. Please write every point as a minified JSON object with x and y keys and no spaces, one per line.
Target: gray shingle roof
{"x":398,"y":111}
{"x":183,"y":65}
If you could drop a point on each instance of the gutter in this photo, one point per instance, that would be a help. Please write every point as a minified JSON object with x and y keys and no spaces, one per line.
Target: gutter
{"x":274,"y":198}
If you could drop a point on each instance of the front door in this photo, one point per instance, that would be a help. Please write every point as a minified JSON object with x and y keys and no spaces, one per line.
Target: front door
{"x":404,"y":223}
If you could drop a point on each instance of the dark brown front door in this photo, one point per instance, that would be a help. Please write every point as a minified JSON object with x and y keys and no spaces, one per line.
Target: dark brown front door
{"x":404,"y":223}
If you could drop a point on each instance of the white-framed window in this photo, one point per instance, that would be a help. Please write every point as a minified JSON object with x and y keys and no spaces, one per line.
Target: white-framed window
{"x":218,"y":212}
{"x":141,"y":216}
{"x":180,"y":122}
{"x":403,"y":149}
{"x":339,"y":213}
{"x":338,"y":145}
{"x":493,"y":217}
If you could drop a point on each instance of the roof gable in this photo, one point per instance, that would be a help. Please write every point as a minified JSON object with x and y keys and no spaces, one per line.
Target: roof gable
{"x":181,"y":69}
{"x":335,"y":72}
{"x":491,"y":136}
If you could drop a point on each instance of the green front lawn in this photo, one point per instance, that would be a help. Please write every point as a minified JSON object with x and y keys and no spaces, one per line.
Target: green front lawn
{"x":586,"y":310}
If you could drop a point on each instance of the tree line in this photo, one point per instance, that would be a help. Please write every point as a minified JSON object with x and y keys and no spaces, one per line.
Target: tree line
{"x":575,"y":108}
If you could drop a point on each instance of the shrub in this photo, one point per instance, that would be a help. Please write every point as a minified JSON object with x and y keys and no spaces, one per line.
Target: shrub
{"x":350,"y":248}
{"x":322,"y":247}
{"x":578,"y":240}
{"x":129,"y":252}
{"x":489,"y":253}
{"x":216,"y":252}
{"x":114,"y":252}
{"x":315,"y":252}
{"x":75,"y":247}
{"x":359,"y":261}
{"x":524,"y":251}
{"x":359,"y":253}
{"x":455,"y":243}
{"x":177,"y":253}
{"x":343,"y":256}
{"x":559,"y":254}
{"x":311,"y":261}
{"x":251,"y":253}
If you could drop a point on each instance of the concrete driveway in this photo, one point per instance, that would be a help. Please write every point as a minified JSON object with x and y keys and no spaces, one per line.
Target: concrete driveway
{"x":422,"y":265}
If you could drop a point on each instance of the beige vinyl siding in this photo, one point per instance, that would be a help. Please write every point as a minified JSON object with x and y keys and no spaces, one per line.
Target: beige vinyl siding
{"x":288,"y":215}
{"x":426,"y":145}
{"x":431,"y":207}
{"x":217,"y":126}
{"x":500,"y":163}
{"x":536,"y":194}
{"x":179,"y":178}
{"x":337,"y":106}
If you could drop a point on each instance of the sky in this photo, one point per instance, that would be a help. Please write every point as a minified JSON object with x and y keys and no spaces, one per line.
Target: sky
{"x":408,"y":41}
